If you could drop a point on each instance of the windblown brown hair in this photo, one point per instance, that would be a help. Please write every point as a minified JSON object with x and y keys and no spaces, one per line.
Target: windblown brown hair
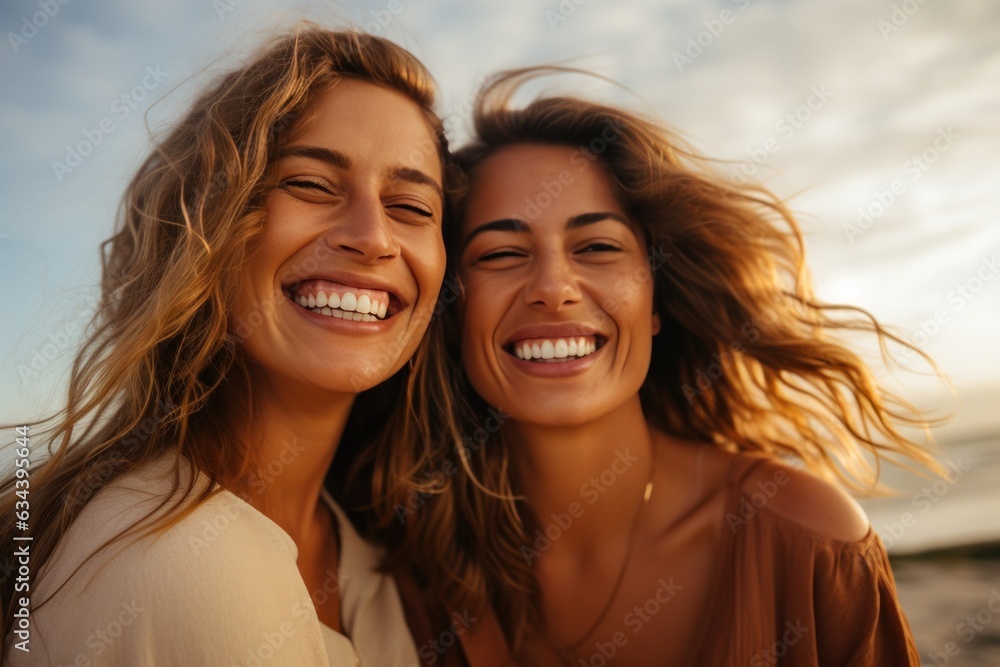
{"x":747,"y":358}
{"x":160,"y":370}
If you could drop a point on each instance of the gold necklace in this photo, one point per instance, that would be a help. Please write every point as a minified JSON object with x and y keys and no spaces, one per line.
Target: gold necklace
{"x":570,"y":650}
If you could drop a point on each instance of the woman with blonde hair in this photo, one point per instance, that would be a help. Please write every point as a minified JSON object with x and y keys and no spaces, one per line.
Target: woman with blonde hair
{"x":648,"y":335}
{"x":278,"y":253}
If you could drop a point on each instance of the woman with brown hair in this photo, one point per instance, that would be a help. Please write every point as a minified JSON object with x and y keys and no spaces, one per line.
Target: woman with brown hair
{"x":278,"y":253}
{"x":648,"y":335}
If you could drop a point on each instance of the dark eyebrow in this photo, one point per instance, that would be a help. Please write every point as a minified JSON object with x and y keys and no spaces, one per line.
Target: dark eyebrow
{"x":515,"y":225}
{"x":415,"y":176}
{"x":585,"y":219}
{"x":335,"y":158}
{"x":338,"y":159}
{"x":505,"y":225}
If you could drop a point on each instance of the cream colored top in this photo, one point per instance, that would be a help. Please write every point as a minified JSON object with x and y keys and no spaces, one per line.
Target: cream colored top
{"x":220,"y":587}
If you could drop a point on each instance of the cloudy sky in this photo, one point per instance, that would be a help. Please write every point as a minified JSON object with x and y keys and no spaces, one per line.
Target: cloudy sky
{"x":878,"y":119}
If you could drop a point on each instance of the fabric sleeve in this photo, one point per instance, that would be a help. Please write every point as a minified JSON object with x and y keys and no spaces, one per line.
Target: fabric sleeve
{"x":789,"y":594}
{"x":862,"y":624}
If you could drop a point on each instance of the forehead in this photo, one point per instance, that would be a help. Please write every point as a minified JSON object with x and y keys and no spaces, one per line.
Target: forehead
{"x":539,"y":183}
{"x":373,"y":125}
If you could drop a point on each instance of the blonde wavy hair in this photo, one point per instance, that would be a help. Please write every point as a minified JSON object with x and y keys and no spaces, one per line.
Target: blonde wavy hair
{"x":747,"y":358}
{"x":160,"y":370}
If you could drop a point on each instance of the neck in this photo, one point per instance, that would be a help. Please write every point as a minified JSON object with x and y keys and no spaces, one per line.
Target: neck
{"x":294,"y":438}
{"x":594,"y":472}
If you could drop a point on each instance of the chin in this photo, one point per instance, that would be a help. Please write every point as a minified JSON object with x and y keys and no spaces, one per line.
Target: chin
{"x":362,"y":377}
{"x":551,"y":415}
{"x":353,"y":377}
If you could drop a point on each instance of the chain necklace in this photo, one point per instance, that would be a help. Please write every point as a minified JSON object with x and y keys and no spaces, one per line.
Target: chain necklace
{"x":568,"y":653}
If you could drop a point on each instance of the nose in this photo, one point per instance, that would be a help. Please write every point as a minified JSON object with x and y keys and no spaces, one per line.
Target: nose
{"x":553,"y":283}
{"x":363,"y":231}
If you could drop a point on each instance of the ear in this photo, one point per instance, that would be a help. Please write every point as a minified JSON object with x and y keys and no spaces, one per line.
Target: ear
{"x":656,"y":323}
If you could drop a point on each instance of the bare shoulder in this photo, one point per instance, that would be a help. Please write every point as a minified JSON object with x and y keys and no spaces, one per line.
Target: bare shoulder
{"x":700,"y":471}
{"x":808,"y":500}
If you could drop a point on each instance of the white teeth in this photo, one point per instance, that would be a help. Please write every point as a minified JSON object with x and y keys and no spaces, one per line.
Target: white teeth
{"x":349,"y":301}
{"x":360,"y":309}
{"x":339,"y":314}
{"x":559,"y":348}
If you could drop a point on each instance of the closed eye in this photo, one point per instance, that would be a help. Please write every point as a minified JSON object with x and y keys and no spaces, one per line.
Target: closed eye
{"x":414,"y":209}
{"x":500,"y":254}
{"x":303,"y":183}
{"x":599,"y":247}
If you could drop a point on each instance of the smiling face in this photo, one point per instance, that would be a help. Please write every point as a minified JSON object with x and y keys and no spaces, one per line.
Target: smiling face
{"x":343,"y":284}
{"x":558,"y":311}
